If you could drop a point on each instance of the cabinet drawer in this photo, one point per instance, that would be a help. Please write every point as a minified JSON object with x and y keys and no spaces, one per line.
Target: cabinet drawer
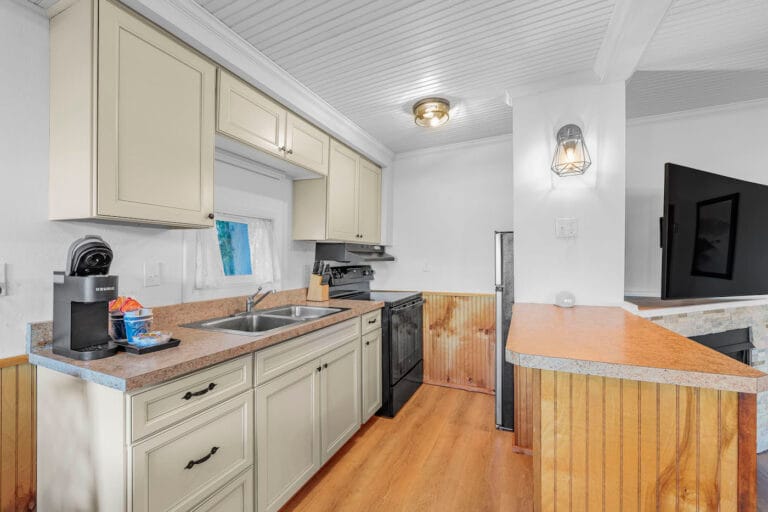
{"x":164,"y":405}
{"x":236,"y":496}
{"x":277,"y":360}
{"x":371,"y":321}
{"x":183,"y":465}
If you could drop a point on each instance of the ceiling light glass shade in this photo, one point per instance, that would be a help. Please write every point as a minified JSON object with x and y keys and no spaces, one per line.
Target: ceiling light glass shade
{"x":431,"y":112}
{"x":571,"y":155}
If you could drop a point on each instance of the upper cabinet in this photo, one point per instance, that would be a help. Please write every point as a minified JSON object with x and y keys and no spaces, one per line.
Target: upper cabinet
{"x":249,"y":116}
{"x":345,"y":206}
{"x":132,"y":120}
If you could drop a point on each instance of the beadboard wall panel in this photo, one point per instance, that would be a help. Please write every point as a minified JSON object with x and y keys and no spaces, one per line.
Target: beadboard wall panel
{"x":17,"y":434}
{"x":616,"y":444}
{"x":459,"y":338}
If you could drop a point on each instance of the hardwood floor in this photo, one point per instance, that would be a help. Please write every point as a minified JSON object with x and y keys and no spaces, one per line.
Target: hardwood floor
{"x":441,"y":453}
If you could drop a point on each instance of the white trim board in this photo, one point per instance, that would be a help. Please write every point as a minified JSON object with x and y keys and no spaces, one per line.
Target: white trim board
{"x":652,"y":313}
{"x":191,"y":23}
{"x":696,"y":112}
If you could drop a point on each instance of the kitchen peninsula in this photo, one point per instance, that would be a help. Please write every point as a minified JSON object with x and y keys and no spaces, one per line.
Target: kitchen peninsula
{"x":623,"y":413}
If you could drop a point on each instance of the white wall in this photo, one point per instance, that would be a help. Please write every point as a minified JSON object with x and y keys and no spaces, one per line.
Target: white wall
{"x":727,"y":140}
{"x":446,"y":204}
{"x":591,"y":265}
{"x":32,"y":246}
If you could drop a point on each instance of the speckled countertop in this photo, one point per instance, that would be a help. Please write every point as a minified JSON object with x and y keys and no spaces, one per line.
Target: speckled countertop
{"x":198,"y":349}
{"x":611,"y":342}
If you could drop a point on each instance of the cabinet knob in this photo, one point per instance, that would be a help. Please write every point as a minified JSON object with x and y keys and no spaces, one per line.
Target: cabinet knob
{"x":281,"y":148}
{"x":211,"y":216}
{"x":290,"y":151}
{"x":325,"y":365}
{"x":367,"y":343}
{"x":319,"y":368}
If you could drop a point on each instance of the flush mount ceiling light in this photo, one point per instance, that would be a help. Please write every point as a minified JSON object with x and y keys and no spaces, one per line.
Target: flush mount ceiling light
{"x":431,"y":112}
{"x":571,"y":155}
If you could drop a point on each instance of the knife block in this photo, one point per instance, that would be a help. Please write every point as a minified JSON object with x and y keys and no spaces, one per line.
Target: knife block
{"x":317,"y":292}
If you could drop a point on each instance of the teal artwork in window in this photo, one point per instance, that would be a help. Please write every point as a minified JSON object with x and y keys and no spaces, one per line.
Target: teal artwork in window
{"x":235,"y":247}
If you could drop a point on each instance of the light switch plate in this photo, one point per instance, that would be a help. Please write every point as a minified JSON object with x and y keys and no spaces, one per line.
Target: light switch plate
{"x":566,"y":227}
{"x":152,"y":274}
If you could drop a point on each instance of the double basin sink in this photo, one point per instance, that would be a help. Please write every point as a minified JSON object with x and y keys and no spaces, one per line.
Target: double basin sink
{"x":265,"y":320}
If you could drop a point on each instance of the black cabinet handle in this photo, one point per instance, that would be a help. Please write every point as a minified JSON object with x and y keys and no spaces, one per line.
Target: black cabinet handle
{"x":193,"y":463}
{"x":367,"y":343}
{"x":211,"y":216}
{"x":319,"y":368}
{"x":190,"y":394}
{"x":325,"y":365}
{"x":372,"y":321}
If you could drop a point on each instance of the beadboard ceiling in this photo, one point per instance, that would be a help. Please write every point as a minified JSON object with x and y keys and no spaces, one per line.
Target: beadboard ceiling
{"x":372,"y":60}
{"x":705,"y":53}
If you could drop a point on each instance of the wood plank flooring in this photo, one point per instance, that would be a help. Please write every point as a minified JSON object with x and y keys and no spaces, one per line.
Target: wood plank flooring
{"x":441,"y":453}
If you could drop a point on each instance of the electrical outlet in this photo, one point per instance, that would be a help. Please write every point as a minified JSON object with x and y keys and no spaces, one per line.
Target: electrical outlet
{"x":152,"y":274}
{"x":566,"y":227}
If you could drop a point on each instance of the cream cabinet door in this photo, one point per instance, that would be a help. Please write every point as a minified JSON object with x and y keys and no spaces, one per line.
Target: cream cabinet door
{"x":156,"y":115}
{"x":246,"y":114}
{"x":369,"y":202}
{"x":339,"y":397}
{"x":342,"y":194}
{"x":287,"y":435}
{"x":306,"y":145}
{"x":371,"y":370}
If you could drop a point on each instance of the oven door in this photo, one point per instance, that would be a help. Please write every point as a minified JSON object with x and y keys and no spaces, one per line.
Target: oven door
{"x":406,"y":338}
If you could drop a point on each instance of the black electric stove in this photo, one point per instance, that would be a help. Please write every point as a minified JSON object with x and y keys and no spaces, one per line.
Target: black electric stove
{"x":402,"y":332}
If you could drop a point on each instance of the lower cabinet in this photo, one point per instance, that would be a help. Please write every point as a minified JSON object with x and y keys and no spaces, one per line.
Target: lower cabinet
{"x":302,"y":418}
{"x":287,"y":434}
{"x":371,"y":379}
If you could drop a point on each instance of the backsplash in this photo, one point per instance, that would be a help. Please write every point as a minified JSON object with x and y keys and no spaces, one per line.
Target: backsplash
{"x":718,"y":320}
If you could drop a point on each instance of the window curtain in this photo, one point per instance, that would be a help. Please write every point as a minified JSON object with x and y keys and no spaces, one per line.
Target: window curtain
{"x":265,"y":266}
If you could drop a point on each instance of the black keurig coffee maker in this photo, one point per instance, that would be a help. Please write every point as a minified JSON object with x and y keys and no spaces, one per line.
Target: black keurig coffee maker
{"x":81,"y":296}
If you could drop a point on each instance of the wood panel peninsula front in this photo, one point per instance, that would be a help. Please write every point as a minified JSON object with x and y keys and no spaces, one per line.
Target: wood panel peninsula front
{"x":625,"y":415}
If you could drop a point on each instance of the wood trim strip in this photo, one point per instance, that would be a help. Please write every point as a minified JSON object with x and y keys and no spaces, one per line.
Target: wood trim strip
{"x":18,"y":436}
{"x":747,"y":486}
{"x":13,"y":361}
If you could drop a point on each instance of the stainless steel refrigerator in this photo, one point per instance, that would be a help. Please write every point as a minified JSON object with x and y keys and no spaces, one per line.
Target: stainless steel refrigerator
{"x":505,"y":297}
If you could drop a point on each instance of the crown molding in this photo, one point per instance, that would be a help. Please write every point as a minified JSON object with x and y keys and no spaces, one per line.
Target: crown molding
{"x":698,"y":112}
{"x":191,"y":23}
{"x":416,"y":153}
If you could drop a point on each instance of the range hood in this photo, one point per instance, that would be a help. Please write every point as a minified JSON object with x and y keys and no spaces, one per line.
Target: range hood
{"x":351,"y":253}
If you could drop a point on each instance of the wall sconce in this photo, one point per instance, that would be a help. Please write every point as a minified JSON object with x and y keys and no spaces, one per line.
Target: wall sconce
{"x":571,"y":155}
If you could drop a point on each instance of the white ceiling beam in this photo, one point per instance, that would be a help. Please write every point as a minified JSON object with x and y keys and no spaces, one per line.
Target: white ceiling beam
{"x":197,"y":27}
{"x":632,"y":26}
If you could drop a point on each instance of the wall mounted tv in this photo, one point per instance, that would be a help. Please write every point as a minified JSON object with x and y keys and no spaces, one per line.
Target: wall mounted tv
{"x":714,"y":235}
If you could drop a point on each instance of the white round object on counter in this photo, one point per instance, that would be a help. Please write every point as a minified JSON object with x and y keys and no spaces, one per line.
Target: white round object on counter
{"x":565,"y":299}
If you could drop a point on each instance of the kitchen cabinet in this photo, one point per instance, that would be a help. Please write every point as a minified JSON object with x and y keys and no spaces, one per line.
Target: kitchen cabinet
{"x":287,"y":434}
{"x":345,"y":206}
{"x":245,"y":114}
{"x":371,"y":374}
{"x":237,"y":496}
{"x":302,"y":418}
{"x":132,"y":132}
{"x":339,"y":397}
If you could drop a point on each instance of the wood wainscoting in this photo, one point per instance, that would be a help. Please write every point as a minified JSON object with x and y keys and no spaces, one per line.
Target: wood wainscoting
{"x":18,"y":471}
{"x":459,"y":340}
{"x":613,"y":444}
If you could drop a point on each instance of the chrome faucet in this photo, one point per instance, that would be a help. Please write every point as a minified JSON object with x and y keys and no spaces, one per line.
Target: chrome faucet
{"x":252,"y":301}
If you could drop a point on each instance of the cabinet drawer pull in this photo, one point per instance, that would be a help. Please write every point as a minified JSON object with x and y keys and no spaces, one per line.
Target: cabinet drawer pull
{"x":290,"y":151}
{"x":325,"y":365}
{"x":190,"y":394}
{"x":372,"y":321}
{"x":367,"y":343}
{"x":193,"y":463}
{"x":319,"y":368}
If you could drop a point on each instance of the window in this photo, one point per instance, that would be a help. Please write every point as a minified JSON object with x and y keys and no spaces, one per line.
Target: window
{"x":237,"y":251}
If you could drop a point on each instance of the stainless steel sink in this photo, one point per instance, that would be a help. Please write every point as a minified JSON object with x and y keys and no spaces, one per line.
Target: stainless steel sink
{"x":265,"y":320}
{"x":308,"y":312}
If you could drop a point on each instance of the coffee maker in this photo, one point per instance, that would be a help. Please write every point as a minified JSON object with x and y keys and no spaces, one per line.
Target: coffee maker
{"x":81,"y":296}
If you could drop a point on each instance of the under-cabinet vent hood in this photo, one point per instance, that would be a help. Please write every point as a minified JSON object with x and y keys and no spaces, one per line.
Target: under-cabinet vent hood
{"x":351,"y":253}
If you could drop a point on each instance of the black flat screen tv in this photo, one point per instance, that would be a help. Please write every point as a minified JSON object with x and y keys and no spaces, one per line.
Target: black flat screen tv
{"x":714,"y":235}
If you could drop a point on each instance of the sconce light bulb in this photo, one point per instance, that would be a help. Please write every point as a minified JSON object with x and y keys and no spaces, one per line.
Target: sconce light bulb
{"x":569,"y":154}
